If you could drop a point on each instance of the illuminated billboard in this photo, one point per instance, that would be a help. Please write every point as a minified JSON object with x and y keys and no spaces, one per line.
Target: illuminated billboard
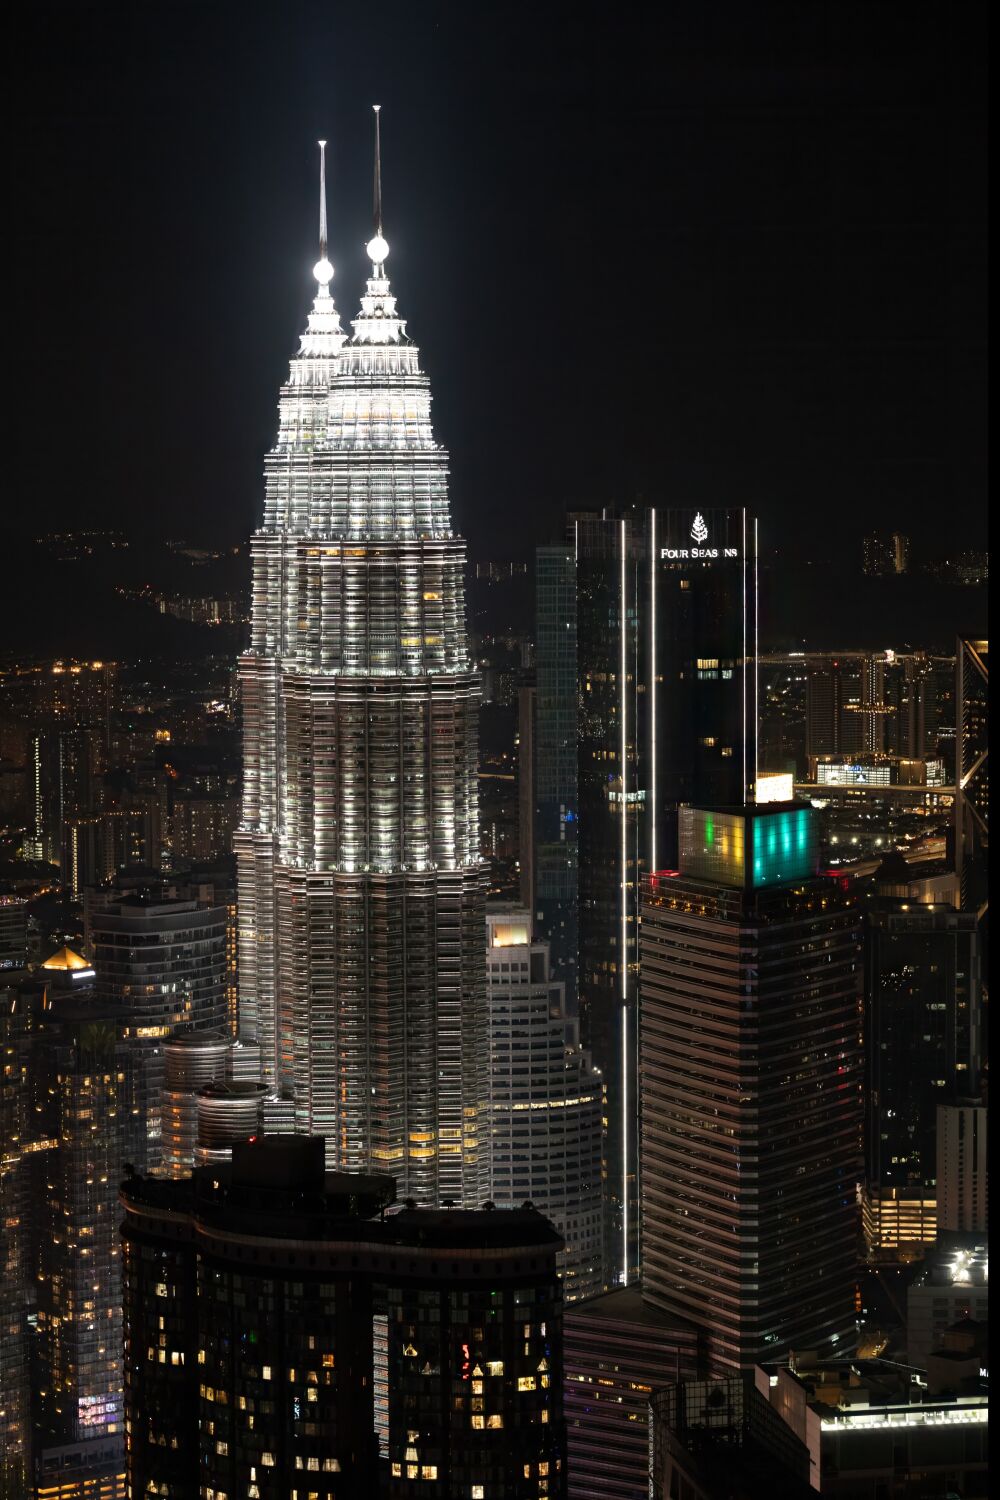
{"x":749,"y":849}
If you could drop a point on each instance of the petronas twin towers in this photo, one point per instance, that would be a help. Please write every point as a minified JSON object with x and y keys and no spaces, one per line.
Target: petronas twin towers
{"x":361,"y":890}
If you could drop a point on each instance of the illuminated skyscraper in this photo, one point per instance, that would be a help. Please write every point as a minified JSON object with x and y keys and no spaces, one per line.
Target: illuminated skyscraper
{"x":666,"y":642}
{"x":750,"y":1080}
{"x":361,"y":890}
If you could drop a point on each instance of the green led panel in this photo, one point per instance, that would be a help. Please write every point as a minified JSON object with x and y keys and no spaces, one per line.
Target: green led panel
{"x":785,"y":847}
{"x":749,"y":849}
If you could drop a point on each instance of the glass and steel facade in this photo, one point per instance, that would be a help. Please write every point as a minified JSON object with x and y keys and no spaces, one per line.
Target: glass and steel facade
{"x":751,"y":1090}
{"x":361,"y":887}
{"x":923,"y":1048}
{"x":556,"y":801}
{"x":545,"y":1100}
{"x":666,"y":629}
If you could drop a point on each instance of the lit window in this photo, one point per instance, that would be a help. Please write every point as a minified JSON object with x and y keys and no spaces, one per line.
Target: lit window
{"x":526,"y":1382}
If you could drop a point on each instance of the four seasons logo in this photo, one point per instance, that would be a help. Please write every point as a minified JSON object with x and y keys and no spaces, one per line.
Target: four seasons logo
{"x":699,"y":552}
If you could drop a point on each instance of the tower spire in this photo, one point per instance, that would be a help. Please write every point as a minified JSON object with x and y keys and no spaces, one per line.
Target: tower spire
{"x":377,"y":247}
{"x":322,"y":270}
{"x":377,"y":204}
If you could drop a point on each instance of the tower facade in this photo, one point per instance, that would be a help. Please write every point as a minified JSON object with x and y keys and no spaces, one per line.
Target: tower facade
{"x":361,"y":889}
{"x":666,"y":640}
{"x":924,"y":1029}
{"x":555,"y":875}
{"x":750,"y":1077}
{"x":545,"y":1099}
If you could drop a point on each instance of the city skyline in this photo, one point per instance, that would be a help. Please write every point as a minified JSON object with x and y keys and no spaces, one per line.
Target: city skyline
{"x":494,"y":956}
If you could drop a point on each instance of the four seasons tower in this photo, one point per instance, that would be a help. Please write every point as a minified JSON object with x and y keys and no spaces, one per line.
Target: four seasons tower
{"x":361,"y":891}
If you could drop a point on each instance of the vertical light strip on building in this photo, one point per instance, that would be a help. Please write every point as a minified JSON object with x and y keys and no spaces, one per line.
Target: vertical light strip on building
{"x":746,"y":790}
{"x":623,"y":699}
{"x":652,"y":690}
{"x":756,"y":665}
{"x":623,"y":611}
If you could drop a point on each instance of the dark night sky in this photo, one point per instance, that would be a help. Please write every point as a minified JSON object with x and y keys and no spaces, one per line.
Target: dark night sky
{"x":698,"y":253}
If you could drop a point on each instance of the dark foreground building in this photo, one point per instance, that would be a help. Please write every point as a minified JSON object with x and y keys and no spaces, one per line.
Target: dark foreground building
{"x":285,"y":1336}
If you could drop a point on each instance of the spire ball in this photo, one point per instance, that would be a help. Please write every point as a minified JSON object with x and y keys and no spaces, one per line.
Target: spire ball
{"x":323,"y":272}
{"x":377,"y":249}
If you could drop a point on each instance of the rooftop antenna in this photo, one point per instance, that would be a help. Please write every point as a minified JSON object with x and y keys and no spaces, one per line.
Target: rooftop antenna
{"x":377,"y":247}
{"x":322,"y":270}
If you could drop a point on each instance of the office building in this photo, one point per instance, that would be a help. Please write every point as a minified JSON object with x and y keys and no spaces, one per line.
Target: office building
{"x":236,"y":1109}
{"x":16,"y":1267}
{"x":972,"y":769}
{"x":876,"y":556}
{"x":886,"y":555}
{"x":78,"y":692}
{"x":89,"y":1096}
{"x":618,"y":1351}
{"x":13,"y":932}
{"x":952,"y":1284}
{"x":963,"y":1184}
{"x":322,"y":1343}
{"x":361,"y":885}
{"x":190,"y":1062}
{"x":65,"y":761}
{"x":750,"y":1083}
{"x":545,"y":1100}
{"x":211,"y":886}
{"x":883,"y":702}
{"x":526,"y":840}
{"x":164,"y":960}
{"x":202,"y":826}
{"x":845,"y":1432}
{"x":550,"y":860}
{"x":923,"y":1001}
{"x":666,"y":623}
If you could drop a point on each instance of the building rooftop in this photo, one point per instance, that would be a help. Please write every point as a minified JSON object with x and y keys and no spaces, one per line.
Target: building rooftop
{"x":277,"y":1185}
{"x":66,"y":960}
{"x":626,"y":1305}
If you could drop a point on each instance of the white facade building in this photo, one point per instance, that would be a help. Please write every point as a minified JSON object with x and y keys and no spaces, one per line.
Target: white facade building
{"x":361,"y":888}
{"x":545,"y":1099}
